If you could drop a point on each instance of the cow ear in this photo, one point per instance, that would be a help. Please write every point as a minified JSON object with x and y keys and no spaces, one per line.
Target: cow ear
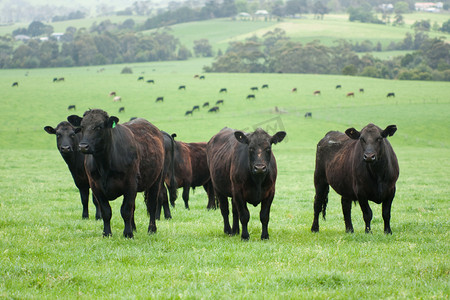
{"x":353,"y":133}
{"x":278,"y":137}
{"x":50,"y":130}
{"x":74,"y":120}
{"x":241,"y":137}
{"x":112,"y":122}
{"x":389,"y":131}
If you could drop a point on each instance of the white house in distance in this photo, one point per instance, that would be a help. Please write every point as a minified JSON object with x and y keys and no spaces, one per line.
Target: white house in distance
{"x":429,"y":6}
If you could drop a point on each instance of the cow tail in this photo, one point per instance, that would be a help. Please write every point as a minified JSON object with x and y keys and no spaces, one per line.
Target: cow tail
{"x":173,"y":182}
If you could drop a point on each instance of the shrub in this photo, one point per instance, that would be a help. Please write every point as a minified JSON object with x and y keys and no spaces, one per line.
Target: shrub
{"x":126,"y":70}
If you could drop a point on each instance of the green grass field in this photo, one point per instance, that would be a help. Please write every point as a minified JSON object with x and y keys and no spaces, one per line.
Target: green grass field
{"x":48,"y":251}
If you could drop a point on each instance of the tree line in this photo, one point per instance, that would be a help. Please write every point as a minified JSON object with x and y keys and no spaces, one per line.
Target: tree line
{"x":276,"y":53}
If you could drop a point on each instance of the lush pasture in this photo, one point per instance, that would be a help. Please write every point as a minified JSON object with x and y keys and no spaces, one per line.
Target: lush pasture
{"x":48,"y":251}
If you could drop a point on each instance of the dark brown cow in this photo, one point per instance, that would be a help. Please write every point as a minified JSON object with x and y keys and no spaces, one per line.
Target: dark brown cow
{"x":67,"y":143}
{"x":351,"y":94}
{"x":359,"y":166}
{"x":191,"y":170}
{"x":122,"y":159}
{"x":316,"y":93}
{"x":243,"y":167}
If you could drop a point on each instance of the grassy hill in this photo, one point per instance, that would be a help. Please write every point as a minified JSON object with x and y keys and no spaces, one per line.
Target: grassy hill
{"x":49,"y":252}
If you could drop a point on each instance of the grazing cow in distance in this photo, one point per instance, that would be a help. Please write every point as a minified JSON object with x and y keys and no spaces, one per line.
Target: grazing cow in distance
{"x":112,"y":94}
{"x":61,"y":79}
{"x":214,"y":109}
{"x":316,"y":93}
{"x":351,"y":94}
{"x":223,"y":90}
{"x":359,"y":166}
{"x":70,"y":107}
{"x":206,"y":104}
{"x":219,"y":102}
{"x":117,"y":99}
{"x":196,"y":107}
{"x":188,"y":113}
{"x":361,"y":90}
{"x":67,"y":141}
{"x":251,"y":96}
{"x":254,"y":88}
{"x":182,"y":87}
{"x":390,"y":95}
{"x":159,"y":99}
{"x":338,"y":86}
{"x":55,"y":79}
{"x":308,"y":115}
{"x":202,"y":77}
{"x":123,"y":159}
{"x":121,"y":109}
{"x":294,"y":90}
{"x":140,"y":78}
{"x":15,"y":84}
{"x":265,"y":86}
{"x":150,"y":81}
{"x":243,"y":167}
{"x":196,"y":76}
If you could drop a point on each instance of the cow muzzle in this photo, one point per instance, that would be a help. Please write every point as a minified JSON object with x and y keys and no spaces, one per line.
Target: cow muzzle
{"x":369,"y":157}
{"x":259,"y":169}
{"x":84,"y":147}
{"x":65,"y":149}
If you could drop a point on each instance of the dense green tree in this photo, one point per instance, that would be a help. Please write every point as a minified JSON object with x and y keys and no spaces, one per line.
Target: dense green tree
{"x":446,"y":26}
{"x":37,"y":28}
{"x":203,"y":48}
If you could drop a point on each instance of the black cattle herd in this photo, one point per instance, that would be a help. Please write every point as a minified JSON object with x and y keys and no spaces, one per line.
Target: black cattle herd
{"x":116,"y":160}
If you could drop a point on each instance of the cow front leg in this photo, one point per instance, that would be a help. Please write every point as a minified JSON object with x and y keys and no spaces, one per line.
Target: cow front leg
{"x":264,"y":217}
{"x":235,"y":228}
{"x":98,"y":212}
{"x":367,"y":214}
{"x":347,"y":211}
{"x":127,"y":211}
{"x":84,"y":194}
{"x":386,"y":208}
{"x":106,"y":216}
{"x":244,"y":215}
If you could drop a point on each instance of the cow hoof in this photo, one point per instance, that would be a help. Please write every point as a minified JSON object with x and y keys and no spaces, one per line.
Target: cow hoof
{"x":128,"y":235}
{"x":107,"y":235}
{"x":349,"y":230}
{"x":245,"y":239}
{"x":264,"y":237}
{"x":152,"y":229}
{"x":388,"y":232}
{"x":315,"y":229}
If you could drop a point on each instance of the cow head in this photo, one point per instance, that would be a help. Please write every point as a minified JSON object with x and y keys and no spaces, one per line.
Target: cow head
{"x":259,"y":148}
{"x":66,"y":137}
{"x":95,"y":126}
{"x":371,"y":139}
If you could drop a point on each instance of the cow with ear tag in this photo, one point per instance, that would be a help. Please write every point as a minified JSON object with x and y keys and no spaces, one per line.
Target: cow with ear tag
{"x":243,"y":167}
{"x":121,"y":160}
{"x":360,"y":166}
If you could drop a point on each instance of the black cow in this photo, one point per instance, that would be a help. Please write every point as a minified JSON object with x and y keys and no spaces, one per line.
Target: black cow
{"x":254,"y":88}
{"x":223,"y":90}
{"x":67,"y":143}
{"x":202,"y":77}
{"x":159,"y":99}
{"x":214,"y":109}
{"x":190,"y":170}
{"x":123,"y":159}
{"x":15,"y":84}
{"x":70,"y":107}
{"x":196,"y":107}
{"x":243,"y":167}
{"x":359,"y":166}
{"x":251,"y":96}
{"x":206,"y":104}
{"x":265,"y":86}
{"x":308,"y":114}
{"x":361,"y":90}
{"x":338,"y":86}
{"x":150,"y":81}
{"x":182,"y":87}
{"x":121,"y":109}
{"x":219,"y":102}
{"x":140,"y":78}
{"x":390,"y":95}
{"x":188,"y":113}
